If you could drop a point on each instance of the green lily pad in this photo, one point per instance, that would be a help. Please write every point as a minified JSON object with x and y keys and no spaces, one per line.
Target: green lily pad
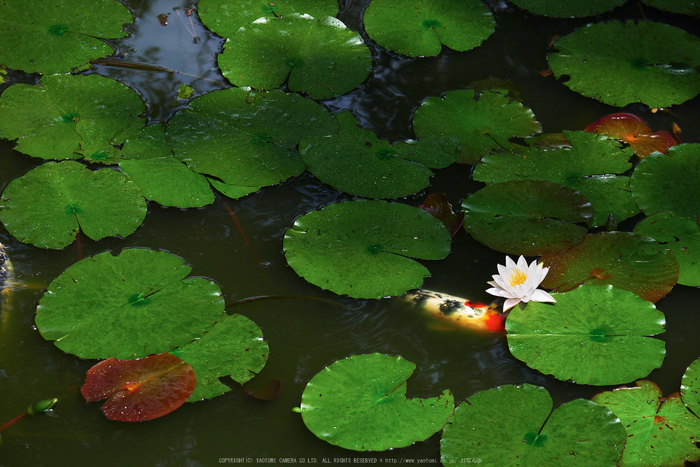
{"x":567,"y":8}
{"x":515,"y":425}
{"x":591,"y":335}
{"x":683,"y":7}
{"x":47,"y":205}
{"x":660,"y":431}
{"x":63,"y":37}
{"x":247,"y":138}
{"x":225,"y":17}
{"x":360,"y":403}
{"x":625,"y":260}
{"x":169,"y":182}
{"x":232,"y":191}
{"x":526,"y":217}
{"x":484,"y":123}
{"x":420,"y":28}
{"x":70,"y":116}
{"x":690,"y":387}
{"x":364,"y":248}
{"x":585,"y":165}
{"x":320,"y":57}
{"x":623,"y":63}
{"x":359,"y":163}
{"x":682,"y":236}
{"x":669,"y":182}
{"x":148,"y":143}
{"x":234,"y":346}
{"x":127,"y":306}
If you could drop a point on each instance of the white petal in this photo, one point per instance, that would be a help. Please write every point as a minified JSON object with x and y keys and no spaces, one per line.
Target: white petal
{"x":510,"y":303}
{"x":522,"y":263}
{"x":500,"y":282}
{"x":499,"y":293}
{"x":540,"y":295}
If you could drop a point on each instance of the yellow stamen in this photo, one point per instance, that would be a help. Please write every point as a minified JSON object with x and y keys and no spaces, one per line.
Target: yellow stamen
{"x":516,"y":277}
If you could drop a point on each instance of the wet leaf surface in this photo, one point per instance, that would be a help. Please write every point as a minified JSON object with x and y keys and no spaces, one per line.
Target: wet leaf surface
{"x":417,"y":28}
{"x":49,"y":204}
{"x":360,"y":403}
{"x":484,"y":123}
{"x":132,"y":305}
{"x":515,"y":425}
{"x":526,"y":217}
{"x":63,"y":38}
{"x":634,"y":131}
{"x":620,"y":63}
{"x":669,"y":182}
{"x":321,"y":57}
{"x":660,"y":431}
{"x":141,"y":389}
{"x":591,"y":335}
{"x":70,"y":116}
{"x":625,"y":260}
{"x":365,"y":248}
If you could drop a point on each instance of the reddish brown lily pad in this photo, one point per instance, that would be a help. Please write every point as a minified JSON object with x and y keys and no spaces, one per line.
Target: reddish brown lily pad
{"x":634,"y":131}
{"x":141,"y":389}
{"x":622,"y":259}
{"x":267,"y":392}
{"x":438,"y":206}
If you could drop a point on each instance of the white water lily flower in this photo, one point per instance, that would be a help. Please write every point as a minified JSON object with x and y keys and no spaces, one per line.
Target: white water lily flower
{"x":518,"y":283}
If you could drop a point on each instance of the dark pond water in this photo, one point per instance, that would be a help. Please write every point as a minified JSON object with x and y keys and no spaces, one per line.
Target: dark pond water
{"x":304,"y":335}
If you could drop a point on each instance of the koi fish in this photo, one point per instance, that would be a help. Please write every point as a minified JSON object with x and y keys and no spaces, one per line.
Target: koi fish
{"x":450,"y":312}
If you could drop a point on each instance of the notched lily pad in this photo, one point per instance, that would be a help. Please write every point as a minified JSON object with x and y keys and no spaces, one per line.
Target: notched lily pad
{"x":70,"y":116}
{"x":621,"y":63}
{"x":484,"y":123}
{"x":321,"y":57}
{"x":625,"y":260}
{"x":669,"y":182}
{"x":47,"y":205}
{"x":233,"y":347}
{"x":360,"y":403}
{"x":141,"y":389}
{"x":660,"y":430}
{"x":169,"y":182}
{"x":526,"y":217}
{"x":226,"y":18}
{"x":63,"y":37}
{"x":132,"y":305}
{"x":586,"y":164}
{"x":591,"y":335}
{"x":515,"y":425}
{"x":359,"y":163}
{"x":634,"y":131}
{"x":682,"y":236}
{"x":417,"y":28}
{"x":364,"y":249}
{"x":247,"y":138}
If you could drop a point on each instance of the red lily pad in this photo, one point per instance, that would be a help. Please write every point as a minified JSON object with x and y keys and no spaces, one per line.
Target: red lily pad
{"x":437,"y":205}
{"x":634,"y":131}
{"x":140,"y":389}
